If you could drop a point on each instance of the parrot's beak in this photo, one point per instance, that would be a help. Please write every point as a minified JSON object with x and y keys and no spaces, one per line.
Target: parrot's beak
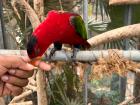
{"x":34,"y":60}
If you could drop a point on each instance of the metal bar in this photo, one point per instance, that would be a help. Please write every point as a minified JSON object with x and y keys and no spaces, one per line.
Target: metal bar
{"x":85,"y":18}
{"x":86,"y":85}
{"x":1,"y":26}
{"x":87,"y":56}
{"x":85,"y":14}
{"x":128,"y":15}
{"x":127,"y":21}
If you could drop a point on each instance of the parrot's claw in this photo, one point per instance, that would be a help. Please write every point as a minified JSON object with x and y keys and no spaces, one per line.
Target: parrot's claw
{"x":73,"y":57}
{"x":53,"y":50}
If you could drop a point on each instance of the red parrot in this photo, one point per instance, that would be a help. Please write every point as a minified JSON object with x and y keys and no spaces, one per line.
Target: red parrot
{"x":58,"y":28}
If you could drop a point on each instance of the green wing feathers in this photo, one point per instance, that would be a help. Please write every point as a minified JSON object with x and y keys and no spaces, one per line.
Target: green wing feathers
{"x":79,"y":25}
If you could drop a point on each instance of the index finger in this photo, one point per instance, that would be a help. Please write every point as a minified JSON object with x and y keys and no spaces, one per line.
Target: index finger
{"x":42,"y":65}
{"x":14,"y":61}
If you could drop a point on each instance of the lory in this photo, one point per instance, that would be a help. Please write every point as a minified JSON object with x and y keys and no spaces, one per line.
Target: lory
{"x":59,"y":27}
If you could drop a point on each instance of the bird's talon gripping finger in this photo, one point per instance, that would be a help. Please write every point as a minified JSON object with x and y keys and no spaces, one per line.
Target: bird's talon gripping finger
{"x":75,"y":50}
{"x":73,"y":57}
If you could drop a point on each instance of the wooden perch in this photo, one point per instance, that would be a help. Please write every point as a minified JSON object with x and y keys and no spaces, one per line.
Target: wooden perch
{"x":122,"y":2}
{"x":86,"y":56}
{"x":116,"y":34}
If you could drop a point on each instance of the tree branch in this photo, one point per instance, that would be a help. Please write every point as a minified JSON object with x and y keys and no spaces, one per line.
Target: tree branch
{"x":116,"y":34}
{"x":29,"y":11}
{"x":122,"y":2}
{"x":23,"y":95}
{"x":127,"y":101}
{"x":39,"y":8}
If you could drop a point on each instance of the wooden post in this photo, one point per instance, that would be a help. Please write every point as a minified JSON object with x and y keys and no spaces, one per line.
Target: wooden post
{"x":130,"y":85}
{"x":40,"y":77}
{"x":1,"y":29}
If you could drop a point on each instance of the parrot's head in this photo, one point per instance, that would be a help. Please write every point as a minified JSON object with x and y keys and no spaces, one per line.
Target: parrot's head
{"x":33,"y":49}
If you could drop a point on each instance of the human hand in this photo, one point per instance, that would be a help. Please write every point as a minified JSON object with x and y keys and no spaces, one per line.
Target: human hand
{"x":41,"y":64}
{"x":14,"y":74}
{"x":15,"y":71}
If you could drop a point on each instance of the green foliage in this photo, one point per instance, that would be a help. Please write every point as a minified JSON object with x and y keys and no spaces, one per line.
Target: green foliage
{"x":67,"y":5}
{"x":98,"y":16}
{"x":102,"y":93}
{"x":104,"y":18}
{"x":105,"y":82}
{"x":64,"y":87}
{"x":19,"y":28}
{"x":107,"y":98}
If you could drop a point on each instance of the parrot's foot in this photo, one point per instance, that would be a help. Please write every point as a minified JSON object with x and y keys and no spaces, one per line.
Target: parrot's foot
{"x":53,"y":50}
{"x":73,"y":57}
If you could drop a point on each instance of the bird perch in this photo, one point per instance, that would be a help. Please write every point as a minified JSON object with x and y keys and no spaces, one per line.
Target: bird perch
{"x":85,"y":56}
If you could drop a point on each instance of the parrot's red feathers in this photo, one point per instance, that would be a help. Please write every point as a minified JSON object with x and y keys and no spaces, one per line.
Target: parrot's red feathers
{"x":55,"y":28}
